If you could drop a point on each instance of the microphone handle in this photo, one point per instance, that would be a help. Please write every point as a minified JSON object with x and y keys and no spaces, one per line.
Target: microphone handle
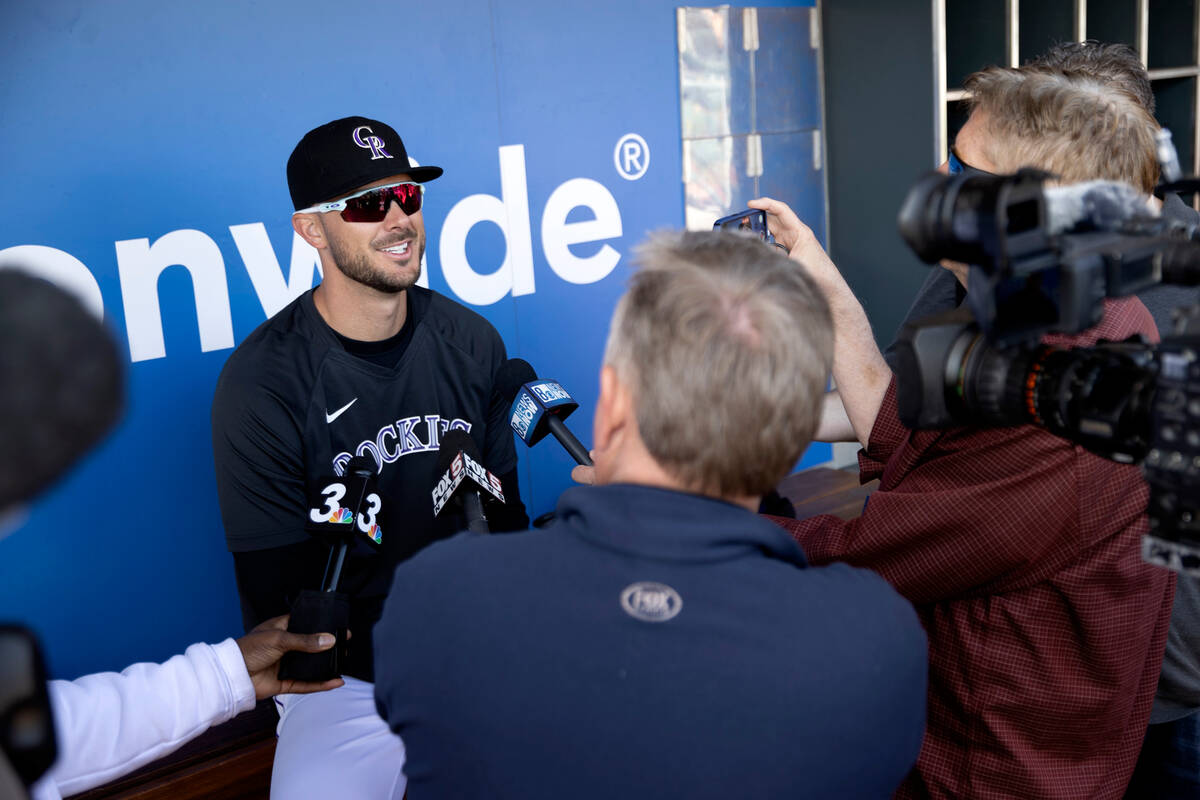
{"x":337,"y":555}
{"x":568,"y":440}
{"x":317,"y":612}
{"x":473,"y":507}
{"x":328,"y":565}
{"x":324,"y":611}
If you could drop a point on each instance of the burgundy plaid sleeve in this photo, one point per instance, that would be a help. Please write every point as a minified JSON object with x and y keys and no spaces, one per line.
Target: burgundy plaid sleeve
{"x":989,"y":514}
{"x":887,"y":434}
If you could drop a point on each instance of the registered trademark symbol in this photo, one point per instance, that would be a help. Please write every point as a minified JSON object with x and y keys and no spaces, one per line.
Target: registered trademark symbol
{"x":631,"y":156}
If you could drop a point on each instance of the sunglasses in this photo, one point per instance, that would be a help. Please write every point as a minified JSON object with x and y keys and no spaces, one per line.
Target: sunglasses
{"x":371,"y":205}
{"x":957,"y":166}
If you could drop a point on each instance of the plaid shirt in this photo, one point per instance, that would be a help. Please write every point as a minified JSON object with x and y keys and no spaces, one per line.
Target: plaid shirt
{"x":1021,"y":553}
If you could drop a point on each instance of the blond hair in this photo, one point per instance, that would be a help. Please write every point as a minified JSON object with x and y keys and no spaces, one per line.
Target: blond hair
{"x":1077,"y":126}
{"x":726,"y":345}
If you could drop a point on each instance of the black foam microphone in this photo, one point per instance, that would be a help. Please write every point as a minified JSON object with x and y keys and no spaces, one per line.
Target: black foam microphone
{"x":344,"y":507}
{"x":539,"y":407}
{"x":462,"y":481}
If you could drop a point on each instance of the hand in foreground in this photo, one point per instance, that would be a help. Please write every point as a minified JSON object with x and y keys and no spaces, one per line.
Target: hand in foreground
{"x":783,"y":223}
{"x":798,"y":238}
{"x":265,"y":645}
{"x":584,"y":474}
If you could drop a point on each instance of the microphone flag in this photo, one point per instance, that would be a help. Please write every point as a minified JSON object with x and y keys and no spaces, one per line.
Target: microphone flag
{"x":458,"y":462}
{"x":346,"y":504}
{"x":535,"y":404}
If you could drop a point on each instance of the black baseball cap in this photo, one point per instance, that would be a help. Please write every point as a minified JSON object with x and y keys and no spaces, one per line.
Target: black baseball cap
{"x":340,"y":156}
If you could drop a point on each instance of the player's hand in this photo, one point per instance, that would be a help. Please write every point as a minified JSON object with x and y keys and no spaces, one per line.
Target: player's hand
{"x":265,"y":645}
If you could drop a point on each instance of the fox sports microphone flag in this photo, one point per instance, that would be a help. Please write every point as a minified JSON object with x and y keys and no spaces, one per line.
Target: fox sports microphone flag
{"x":459,"y":472}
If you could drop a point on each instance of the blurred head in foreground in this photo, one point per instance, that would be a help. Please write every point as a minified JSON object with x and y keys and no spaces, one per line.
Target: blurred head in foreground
{"x":61,"y":385}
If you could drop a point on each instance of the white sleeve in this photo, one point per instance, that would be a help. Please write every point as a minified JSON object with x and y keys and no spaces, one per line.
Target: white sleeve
{"x":110,"y":724}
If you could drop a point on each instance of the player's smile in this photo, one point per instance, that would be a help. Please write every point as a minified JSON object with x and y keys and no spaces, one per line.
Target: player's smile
{"x":399,"y":251}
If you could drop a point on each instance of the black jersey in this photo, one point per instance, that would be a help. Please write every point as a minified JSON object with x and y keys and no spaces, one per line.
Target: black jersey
{"x":292,"y":406}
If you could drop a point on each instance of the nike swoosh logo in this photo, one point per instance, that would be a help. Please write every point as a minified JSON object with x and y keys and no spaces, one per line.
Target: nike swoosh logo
{"x":331,"y":417}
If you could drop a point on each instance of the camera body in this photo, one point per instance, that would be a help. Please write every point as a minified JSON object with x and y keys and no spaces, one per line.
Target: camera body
{"x":1172,"y":464}
{"x":1031,"y":274}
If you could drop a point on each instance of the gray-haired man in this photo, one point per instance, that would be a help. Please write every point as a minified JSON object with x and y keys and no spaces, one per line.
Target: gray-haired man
{"x":661,"y":640}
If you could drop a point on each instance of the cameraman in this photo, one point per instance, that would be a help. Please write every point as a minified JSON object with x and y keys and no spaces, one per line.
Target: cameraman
{"x":62,"y":393}
{"x":1169,"y":765}
{"x":1019,"y":549}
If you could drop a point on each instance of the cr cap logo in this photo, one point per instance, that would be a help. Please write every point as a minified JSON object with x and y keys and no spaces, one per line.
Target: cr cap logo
{"x":372,"y":142}
{"x":651,"y":602}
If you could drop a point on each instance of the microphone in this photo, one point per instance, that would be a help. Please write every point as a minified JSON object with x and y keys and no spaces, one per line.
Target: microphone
{"x":1099,"y":205}
{"x":327,"y":609}
{"x":462,"y":479}
{"x":1168,"y":157}
{"x":539,"y":407}
{"x":330,"y":520}
{"x":1118,"y":207}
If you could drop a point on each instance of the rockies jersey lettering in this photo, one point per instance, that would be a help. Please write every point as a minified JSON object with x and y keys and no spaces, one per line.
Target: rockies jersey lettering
{"x":399,"y":439}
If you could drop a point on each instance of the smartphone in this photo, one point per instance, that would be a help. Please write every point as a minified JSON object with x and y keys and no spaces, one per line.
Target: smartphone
{"x":752,"y":220}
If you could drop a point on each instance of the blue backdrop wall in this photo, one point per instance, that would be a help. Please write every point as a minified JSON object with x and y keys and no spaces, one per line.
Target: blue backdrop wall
{"x":143,"y":148}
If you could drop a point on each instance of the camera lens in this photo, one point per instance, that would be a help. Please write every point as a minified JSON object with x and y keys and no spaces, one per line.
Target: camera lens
{"x":970,"y":218}
{"x":940,"y":217}
{"x":987,"y":381}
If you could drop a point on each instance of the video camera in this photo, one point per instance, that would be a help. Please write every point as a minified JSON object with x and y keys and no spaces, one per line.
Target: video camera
{"x":1043,"y":259}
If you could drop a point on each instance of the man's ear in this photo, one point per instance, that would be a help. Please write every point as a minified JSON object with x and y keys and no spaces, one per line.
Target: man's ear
{"x":311,"y":229}
{"x":612,"y":410}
